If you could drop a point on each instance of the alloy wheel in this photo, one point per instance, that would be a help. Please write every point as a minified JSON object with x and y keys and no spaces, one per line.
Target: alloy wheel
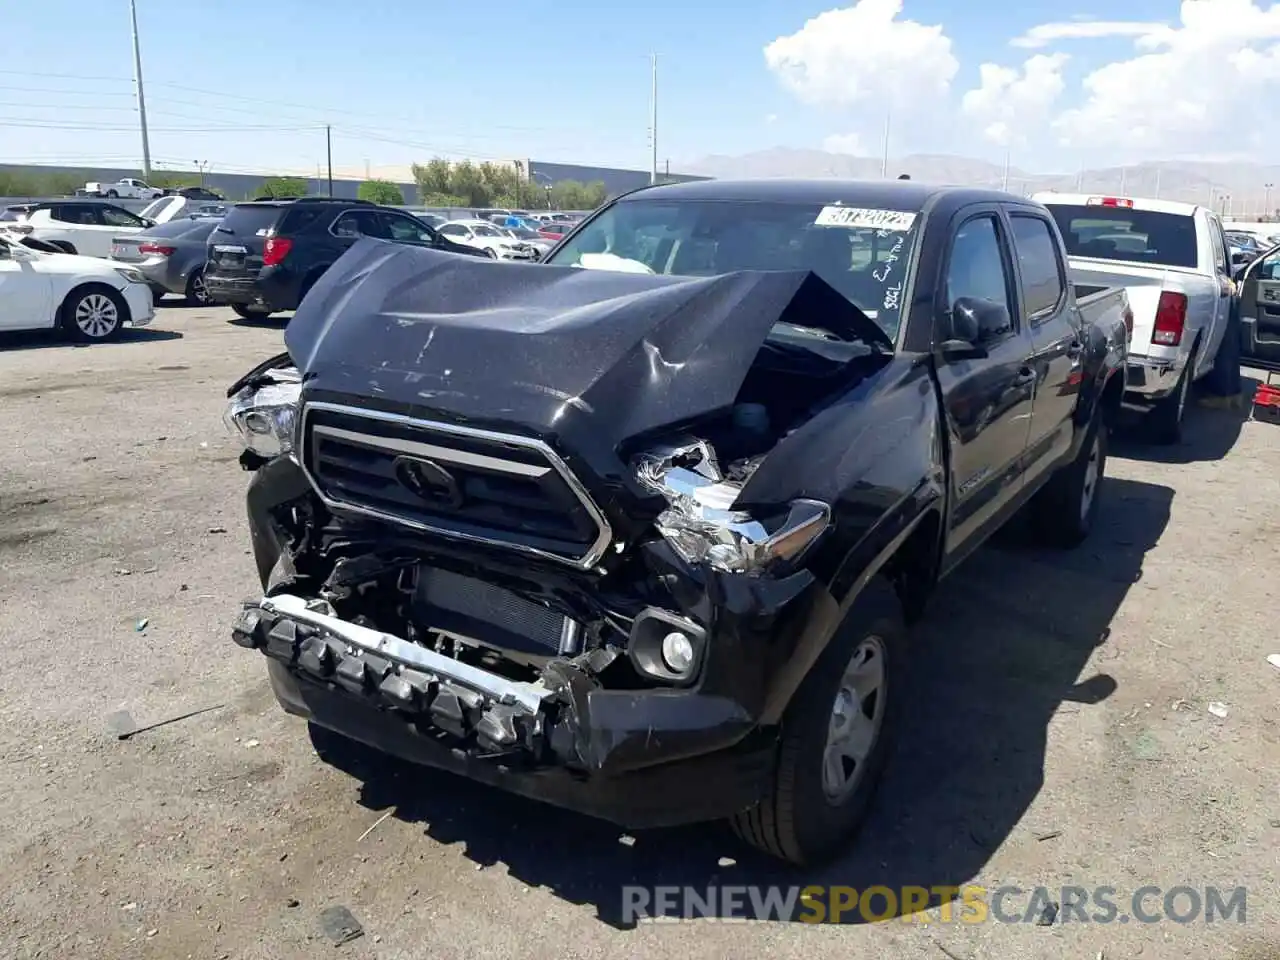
{"x":97,"y":315}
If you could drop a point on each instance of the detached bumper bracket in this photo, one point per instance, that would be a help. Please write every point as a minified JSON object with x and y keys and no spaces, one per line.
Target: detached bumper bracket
{"x":457,"y":698}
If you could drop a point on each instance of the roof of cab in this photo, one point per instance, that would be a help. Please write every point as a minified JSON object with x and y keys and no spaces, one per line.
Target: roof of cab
{"x":890,"y":194}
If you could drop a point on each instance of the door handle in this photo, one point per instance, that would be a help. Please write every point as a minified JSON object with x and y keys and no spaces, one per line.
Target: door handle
{"x":1026,"y":376}
{"x":1075,"y":348}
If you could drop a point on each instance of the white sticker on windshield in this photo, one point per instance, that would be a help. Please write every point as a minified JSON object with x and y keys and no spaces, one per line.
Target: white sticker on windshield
{"x":861,"y":218}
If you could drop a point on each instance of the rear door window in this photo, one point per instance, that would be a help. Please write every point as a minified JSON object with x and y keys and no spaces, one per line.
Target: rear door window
{"x":1039,"y":265}
{"x":1132,"y":236}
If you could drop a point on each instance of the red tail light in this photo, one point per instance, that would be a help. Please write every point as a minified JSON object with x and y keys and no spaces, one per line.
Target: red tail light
{"x":275,"y":250}
{"x":1128,"y":321}
{"x":1171,"y":318}
{"x":1109,"y":202}
{"x":155,"y":248}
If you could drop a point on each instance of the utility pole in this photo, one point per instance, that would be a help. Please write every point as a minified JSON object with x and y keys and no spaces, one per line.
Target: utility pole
{"x":653,"y":122}
{"x":1159,"y":170}
{"x":1266,"y":202}
{"x":1004,"y":180}
{"x":328,"y":152}
{"x":1124,"y":172}
{"x":142,"y":103}
{"x":667,"y":174}
{"x":884,"y":159}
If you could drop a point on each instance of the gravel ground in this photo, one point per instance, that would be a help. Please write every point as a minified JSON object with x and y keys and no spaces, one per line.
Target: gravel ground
{"x":1060,"y":734}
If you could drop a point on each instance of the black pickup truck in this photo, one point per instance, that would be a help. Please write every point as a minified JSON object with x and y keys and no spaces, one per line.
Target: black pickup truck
{"x":637,"y":531}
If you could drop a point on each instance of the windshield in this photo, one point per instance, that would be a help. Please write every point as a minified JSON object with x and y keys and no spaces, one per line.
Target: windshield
{"x":861,"y":253}
{"x":1121,"y":233}
{"x":484,"y":230}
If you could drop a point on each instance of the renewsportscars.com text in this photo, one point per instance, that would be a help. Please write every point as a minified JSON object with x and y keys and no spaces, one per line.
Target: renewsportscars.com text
{"x":970,"y":904}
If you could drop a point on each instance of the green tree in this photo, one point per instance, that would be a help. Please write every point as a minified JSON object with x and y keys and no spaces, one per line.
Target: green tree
{"x":466,"y":181}
{"x":283,"y":187}
{"x":380,"y":191}
{"x":433,"y":177}
{"x":441,"y":200}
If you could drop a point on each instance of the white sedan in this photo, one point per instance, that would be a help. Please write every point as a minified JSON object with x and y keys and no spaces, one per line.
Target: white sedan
{"x":494,"y":241}
{"x":88,"y":299}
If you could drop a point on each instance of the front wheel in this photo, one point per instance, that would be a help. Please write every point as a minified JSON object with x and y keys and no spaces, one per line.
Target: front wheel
{"x":1064,"y":510}
{"x":94,"y":314}
{"x":836,"y":737}
{"x":491,"y":253}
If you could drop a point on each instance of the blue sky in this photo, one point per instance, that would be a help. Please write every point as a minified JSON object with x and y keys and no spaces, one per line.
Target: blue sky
{"x":250,"y":85}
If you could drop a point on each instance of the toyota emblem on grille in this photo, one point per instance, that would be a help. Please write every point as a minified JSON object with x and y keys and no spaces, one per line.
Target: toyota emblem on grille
{"x":429,"y":481}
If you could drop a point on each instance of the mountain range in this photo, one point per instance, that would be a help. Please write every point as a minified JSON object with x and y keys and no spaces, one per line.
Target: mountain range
{"x":1236,"y":189}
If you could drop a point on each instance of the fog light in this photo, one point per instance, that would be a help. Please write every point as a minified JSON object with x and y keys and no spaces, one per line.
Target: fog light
{"x":677,"y":652}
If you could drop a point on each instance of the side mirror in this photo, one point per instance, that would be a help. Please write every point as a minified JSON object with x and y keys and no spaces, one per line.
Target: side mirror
{"x":972,"y":323}
{"x":1240,"y":257}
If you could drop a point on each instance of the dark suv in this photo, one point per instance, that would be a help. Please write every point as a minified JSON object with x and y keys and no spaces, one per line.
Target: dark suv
{"x":266,"y":254}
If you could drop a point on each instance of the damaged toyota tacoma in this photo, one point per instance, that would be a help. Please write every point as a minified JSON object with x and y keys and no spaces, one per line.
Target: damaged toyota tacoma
{"x":636,"y":531}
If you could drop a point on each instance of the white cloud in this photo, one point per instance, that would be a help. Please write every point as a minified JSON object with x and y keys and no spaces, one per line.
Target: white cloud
{"x":864,"y":53}
{"x":1009,"y":104}
{"x":771,"y":118}
{"x":849,"y":143}
{"x":1183,"y":89}
{"x":1087,"y":29}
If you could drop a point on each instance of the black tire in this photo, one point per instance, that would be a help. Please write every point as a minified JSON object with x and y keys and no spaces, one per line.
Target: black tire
{"x":491,"y":253}
{"x":1166,"y":417}
{"x":1063,"y":511}
{"x":93,"y":313}
{"x":111,"y":194}
{"x":250,"y":313}
{"x":197,"y":294}
{"x":799,"y":821}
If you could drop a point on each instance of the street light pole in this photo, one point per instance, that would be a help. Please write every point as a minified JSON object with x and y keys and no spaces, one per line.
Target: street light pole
{"x":653,"y":122}
{"x":1266,"y":203}
{"x":142,"y":103}
{"x":884,"y":159}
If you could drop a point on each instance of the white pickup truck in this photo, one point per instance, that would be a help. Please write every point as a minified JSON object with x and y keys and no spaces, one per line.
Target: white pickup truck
{"x":128,"y":189}
{"x":1173,"y":260}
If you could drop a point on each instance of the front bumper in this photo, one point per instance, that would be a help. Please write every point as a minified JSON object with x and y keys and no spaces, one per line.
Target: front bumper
{"x":639,"y":758}
{"x":141,"y":303}
{"x":1151,"y":378}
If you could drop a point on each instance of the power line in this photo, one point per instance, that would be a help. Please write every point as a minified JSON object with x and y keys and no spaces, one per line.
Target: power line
{"x":29,"y":123}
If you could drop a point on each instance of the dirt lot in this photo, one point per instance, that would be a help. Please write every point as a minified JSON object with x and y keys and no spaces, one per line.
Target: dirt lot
{"x":1060,"y":735}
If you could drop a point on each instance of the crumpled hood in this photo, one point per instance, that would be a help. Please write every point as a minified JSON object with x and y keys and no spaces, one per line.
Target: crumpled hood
{"x":547,"y":347}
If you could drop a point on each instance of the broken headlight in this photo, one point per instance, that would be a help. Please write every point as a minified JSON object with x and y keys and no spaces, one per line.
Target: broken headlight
{"x":702,"y":525}
{"x":263,"y":414}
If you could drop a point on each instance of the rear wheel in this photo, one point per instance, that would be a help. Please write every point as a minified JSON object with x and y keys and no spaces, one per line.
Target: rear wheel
{"x":1064,"y":510}
{"x":250,"y":313}
{"x":835,"y":738}
{"x":111,"y":194}
{"x":1167,"y":415}
{"x":93,"y":314}
{"x":197,"y":293}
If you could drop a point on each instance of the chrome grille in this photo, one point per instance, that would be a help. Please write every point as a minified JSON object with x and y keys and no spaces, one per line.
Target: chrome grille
{"x":460,"y":481}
